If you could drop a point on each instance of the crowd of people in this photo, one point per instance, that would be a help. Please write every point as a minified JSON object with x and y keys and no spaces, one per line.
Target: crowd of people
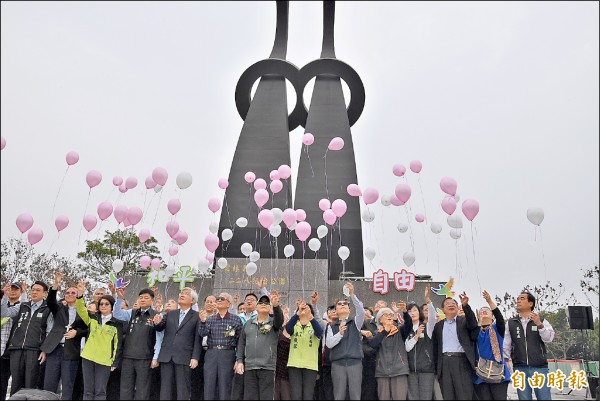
{"x":261,"y":350}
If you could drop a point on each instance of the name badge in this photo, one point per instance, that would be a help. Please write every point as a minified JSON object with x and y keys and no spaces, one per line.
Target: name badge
{"x":422,"y":335}
{"x":534,"y":328}
{"x":40,"y":314}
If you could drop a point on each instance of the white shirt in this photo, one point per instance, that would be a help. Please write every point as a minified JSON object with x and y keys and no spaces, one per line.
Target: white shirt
{"x":106,"y":318}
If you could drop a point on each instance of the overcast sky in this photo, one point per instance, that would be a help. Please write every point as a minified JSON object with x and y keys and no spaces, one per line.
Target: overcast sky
{"x":501,"y":96}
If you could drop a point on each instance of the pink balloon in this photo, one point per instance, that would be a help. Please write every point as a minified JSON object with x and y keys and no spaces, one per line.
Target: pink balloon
{"x":105,"y":209}
{"x":329,"y":217}
{"x":72,"y":158}
{"x":449,"y":205}
{"x":2,"y":143}
{"x":172,"y":228}
{"x":143,"y":235}
{"x":398,"y":170}
{"x":160,"y":175}
{"x":24,"y":222}
{"x":303,"y":230}
{"x":250,"y":177}
{"x":416,"y":166}
{"x":324,"y":204}
{"x":470,"y":208}
{"x":300,"y":215}
{"x":259,"y":183}
{"x":354,"y":190}
{"x":289,"y":217}
{"x":266,"y":218}
{"x":155,"y":263}
{"x":336,"y":143}
{"x":339,"y":207}
{"x":120,"y":213}
{"x":126,"y":222}
{"x":131,"y":182}
{"x":89,"y":222}
{"x":122,"y":188}
{"x":308,"y":139}
{"x":93,"y":178}
{"x":35,"y":235}
{"x":134,"y":215}
{"x":181,"y":237}
{"x":173,"y":250}
{"x":276,"y":186}
{"x":210,"y":257}
{"x":214,"y":204}
{"x":420,"y":217}
{"x":223,"y":183}
{"x":211,"y":241}
{"x":449,"y":185}
{"x":261,"y":197}
{"x":145,"y":261}
{"x":403,"y":192}
{"x":370,"y":196}
{"x":173,"y":206}
{"x":117,"y":181}
{"x":284,"y":171}
{"x":274,"y":175}
{"x":61,"y":222}
{"x":395,"y":201}
{"x":149,"y":182}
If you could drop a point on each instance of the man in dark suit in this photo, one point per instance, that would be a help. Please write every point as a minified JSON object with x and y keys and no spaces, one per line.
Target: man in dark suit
{"x":180,"y":349}
{"x":453,"y":350}
{"x":62,"y":345}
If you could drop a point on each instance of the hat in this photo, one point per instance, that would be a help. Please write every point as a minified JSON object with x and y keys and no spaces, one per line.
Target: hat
{"x":382,"y":311}
{"x":16,"y":284}
{"x":41,"y":283}
{"x":264,"y":298}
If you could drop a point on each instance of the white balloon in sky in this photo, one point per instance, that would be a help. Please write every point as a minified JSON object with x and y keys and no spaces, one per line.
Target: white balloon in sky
{"x":275,"y":230}
{"x":278,"y":214}
{"x":314,"y":244}
{"x":535,"y":215}
{"x":241,"y":222}
{"x":322,"y":231}
{"x":203,"y":265}
{"x":214,"y":227}
{"x":436,"y":228}
{"x":386,"y":200}
{"x":226,"y":234}
{"x":246,"y":249}
{"x":454,"y":233}
{"x":251,"y":268}
{"x":222,"y":263}
{"x":409,"y":258}
{"x":402,"y":227}
{"x":343,"y":252}
{"x":370,"y":253}
{"x":455,"y":221}
{"x":368,"y":215}
{"x":289,"y":250}
{"x":254,"y":256}
{"x":184,"y":180}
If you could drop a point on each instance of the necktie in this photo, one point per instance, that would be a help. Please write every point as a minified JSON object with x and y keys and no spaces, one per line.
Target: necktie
{"x":181,"y":316}
{"x":34,"y":307}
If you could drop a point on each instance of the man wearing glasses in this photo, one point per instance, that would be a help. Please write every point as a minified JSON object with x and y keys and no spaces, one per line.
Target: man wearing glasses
{"x":63,"y":344}
{"x":345,"y":344}
{"x":223,"y":331}
{"x":180,"y":349}
{"x":15,"y":292}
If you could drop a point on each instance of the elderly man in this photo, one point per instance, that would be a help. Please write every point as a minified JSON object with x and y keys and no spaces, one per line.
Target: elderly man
{"x":13,"y":292}
{"x":223,"y":331}
{"x":180,"y":349}
{"x":210,"y":306}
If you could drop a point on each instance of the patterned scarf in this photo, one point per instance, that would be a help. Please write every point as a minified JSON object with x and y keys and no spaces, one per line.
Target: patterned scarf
{"x":392,"y":332}
{"x":495,"y":344}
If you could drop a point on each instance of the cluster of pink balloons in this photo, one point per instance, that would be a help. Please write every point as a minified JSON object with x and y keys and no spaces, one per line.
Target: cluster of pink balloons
{"x":146,"y":261}
{"x":24,"y":224}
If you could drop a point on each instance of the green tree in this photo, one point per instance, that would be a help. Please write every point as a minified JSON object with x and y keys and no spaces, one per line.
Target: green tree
{"x":99,"y":255}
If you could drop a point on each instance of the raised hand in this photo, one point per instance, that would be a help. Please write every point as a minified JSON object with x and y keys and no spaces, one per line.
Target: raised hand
{"x":157,"y":318}
{"x":394,"y":307}
{"x":314,"y":297}
{"x":427,"y":294}
{"x":402,"y":306}
{"x":57,"y":279}
{"x":274,"y":298}
{"x":112,"y":288}
{"x":464,"y":299}
{"x":80,"y":288}
{"x":7,"y":288}
{"x":121,"y":292}
{"x":350,"y":288}
{"x":203,"y":315}
{"x":236,"y":298}
{"x":262,"y":282}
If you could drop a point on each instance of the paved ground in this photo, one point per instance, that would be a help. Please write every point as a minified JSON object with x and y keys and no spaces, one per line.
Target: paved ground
{"x":556,"y":395}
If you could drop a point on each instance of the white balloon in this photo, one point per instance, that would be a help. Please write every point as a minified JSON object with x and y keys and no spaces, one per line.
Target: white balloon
{"x":322,"y":231}
{"x":386,"y":200}
{"x":241,"y":222}
{"x":454,"y":233}
{"x":184,"y":180}
{"x":402,"y":227}
{"x":409,"y":258}
{"x":157,"y":188}
{"x":343,"y":252}
{"x":436,"y":228}
{"x":368,"y":215}
{"x":251,"y":268}
{"x":117,"y":265}
{"x":289,"y":250}
{"x":275,"y":230}
{"x":457,"y":198}
{"x":254,"y":256}
{"x":535,"y":215}
{"x":222,"y":263}
{"x":214,"y":227}
{"x":370,"y":253}
{"x":169,"y":271}
{"x":314,"y":244}
{"x":246,"y":249}
{"x":226,"y":234}
{"x":293,"y":227}
{"x":203,"y":265}
{"x":278,"y":214}
{"x":455,"y":221}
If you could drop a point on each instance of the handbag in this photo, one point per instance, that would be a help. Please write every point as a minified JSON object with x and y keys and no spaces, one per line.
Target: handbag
{"x":490,"y":371}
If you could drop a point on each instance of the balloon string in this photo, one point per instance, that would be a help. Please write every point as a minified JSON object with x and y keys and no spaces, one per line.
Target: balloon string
{"x":52,"y":244}
{"x":309,"y":162}
{"x":231,"y":226}
{"x":412,"y":243}
{"x":86,"y":205}
{"x":543,"y":256}
{"x":315,"y":287}
{"x":438,"y":251}
{"x":303,"y":252}
{"x":57,"y":193}
{"x":326,"y":184}
{"x":156,"y":213}
{"x":426,"y":245}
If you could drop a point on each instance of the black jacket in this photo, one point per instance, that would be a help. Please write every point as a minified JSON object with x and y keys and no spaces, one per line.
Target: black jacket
{"x":140,"y":335}
{"x":527,"y":348}
{"x":420,"y":357}
{"x":29,"y":332}
{"x":464,"y":326}
{"x":60,"y":312}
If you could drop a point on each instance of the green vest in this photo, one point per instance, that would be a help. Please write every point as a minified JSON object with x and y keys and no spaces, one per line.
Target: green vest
{"x":304,"y":348}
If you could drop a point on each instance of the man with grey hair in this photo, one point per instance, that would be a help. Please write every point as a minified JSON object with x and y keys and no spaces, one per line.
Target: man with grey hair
{"x":180,"y":350}
{"x":222,"y":331}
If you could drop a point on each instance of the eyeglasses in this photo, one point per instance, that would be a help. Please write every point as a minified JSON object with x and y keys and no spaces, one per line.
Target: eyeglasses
{"x":388,"y":315}
{"x":104,"y":304}
{"x":342,"y":303}
{"x":71,"y":293}
{"x":219,"y":299}
{"x":263,"y":303}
